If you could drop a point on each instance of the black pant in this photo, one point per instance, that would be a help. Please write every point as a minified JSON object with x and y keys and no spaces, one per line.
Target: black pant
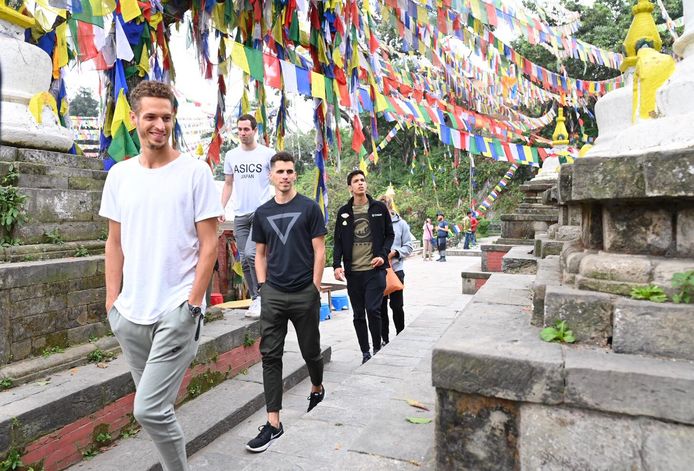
{"x":441,"y":243}
{"x":365,"y":290}
{"x":396,"y":305}
{"x":276,"y":308}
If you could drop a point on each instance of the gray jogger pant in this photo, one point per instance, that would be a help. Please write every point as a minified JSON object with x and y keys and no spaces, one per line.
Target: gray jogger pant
{"x":243,"y":232}
{"x":158,"y":356}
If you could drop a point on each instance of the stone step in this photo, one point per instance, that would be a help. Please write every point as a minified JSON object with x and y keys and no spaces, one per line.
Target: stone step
{"x":53,"y":419}
{"x":518,"y":260}
{"x":205,"y":418}
{"x":28,"y":253}
{"x":49,"y":158}
{"x":491,"y":367}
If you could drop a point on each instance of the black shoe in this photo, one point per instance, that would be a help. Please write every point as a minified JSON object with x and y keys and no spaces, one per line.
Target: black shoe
{"x":267,"y":435}
{"x":365,"y":357}
{"x":315,"y":398}
{"x":384,"y":343}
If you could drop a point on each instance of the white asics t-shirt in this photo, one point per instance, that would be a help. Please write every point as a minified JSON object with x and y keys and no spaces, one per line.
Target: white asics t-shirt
{"x":157,"y":210}
{"x":251,"y":171}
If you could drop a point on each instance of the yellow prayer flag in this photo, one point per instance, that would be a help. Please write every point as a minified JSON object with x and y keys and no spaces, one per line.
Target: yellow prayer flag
{"x":218,"y":17}
{"x":129,"y":9}
{"x":143,"y":65}
{"x":238,"y":57}
{"x":102,"y":7}
{"x":317,"y":85}
{"x":121,"y":114}
{"x":381,"y":103}
{"x":38,"y":101}
{"x":363,"y":167}
{"x":337,"y":58}
{"x":422,"y":15}
{"x":155,"y":19}
{"x":61,"y":45}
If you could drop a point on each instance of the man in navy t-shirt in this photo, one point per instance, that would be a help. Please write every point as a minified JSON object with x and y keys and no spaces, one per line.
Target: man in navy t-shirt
{"x":442,"y":235}
{"x":289,"y":232}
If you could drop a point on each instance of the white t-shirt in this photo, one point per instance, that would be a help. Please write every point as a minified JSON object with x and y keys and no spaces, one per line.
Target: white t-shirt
{"x":251,"y":171}
{"x":157,"y":209}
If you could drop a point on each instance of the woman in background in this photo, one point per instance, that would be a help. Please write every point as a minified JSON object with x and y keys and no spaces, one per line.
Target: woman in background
{"x":427,"y":239}
{"x":401,"y":249}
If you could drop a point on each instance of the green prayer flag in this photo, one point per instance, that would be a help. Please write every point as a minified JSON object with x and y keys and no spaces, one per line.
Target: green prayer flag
{"x":255,"y":63}
{"x":122,"y":145}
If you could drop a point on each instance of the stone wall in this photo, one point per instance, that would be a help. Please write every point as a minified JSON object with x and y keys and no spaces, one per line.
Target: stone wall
{"x":50,"y":303}
{"x":63,"y":193}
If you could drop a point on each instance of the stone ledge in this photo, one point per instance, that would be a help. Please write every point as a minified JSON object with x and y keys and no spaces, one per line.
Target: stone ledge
{"x":512,"y":241}
{"x":630,"y":384}
{"x":587,"y":313}
{"x":643,"y":327}
{"x":475,"y":274}
{"x":492,"y":350}
{"x":518,"y":260}
{"x":655,"y":175}
{"x":531,"y":217}
{"x":495,"y":247}
{"x":70,"y":395}
{"x":232,"y":402}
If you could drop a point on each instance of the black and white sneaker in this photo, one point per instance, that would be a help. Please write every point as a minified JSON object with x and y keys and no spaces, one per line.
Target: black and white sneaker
{"x":315,"y":398}
{"x":267,"y":435}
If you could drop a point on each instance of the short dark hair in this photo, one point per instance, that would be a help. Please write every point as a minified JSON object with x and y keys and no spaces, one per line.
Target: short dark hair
{"x":469,"y":212}
{"x":283,"y":156}
{"x":352,"y":174}
{"x":153,"y":89}
{"x":248,"y":117}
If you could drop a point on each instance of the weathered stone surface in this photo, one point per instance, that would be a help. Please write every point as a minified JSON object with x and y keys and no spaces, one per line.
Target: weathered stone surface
{"x":5,"y":322}
{"x":604,"y":179}
{"x":475,"y":432}
{"x":591,"y":227}
{"x":630,"y":384}
{"x":31,"y":273}
{"x":564,"y":183}
{"x":643,"y":327}
{"x":617,"y":267}
{"x":567,"y":232}
{"x":588,"y":315}
{"x":493,"y":351}
{"x":568,"y":439}
{"x":667,"y":447}
{"x":621,"y":288}
{"x":57,"y":159}
{"x":49,"y":205}
{"x":669,"y":174}
{"x":685,"y":232}
{"x":636,"y":230}
{"x":571,"y":257}
{"x":83,"y":333}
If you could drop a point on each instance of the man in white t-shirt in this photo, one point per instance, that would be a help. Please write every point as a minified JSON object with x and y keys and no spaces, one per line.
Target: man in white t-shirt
{"x":247,"y":170}
{"x":162,"y":208}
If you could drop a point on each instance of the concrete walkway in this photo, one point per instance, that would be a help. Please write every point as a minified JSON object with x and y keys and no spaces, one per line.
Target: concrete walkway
{"x":362,"y":423}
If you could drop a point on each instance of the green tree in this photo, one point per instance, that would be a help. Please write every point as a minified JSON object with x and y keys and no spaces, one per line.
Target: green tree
{"x":84,"y":103}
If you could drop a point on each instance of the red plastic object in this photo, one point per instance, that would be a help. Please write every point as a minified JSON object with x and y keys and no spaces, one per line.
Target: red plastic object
{"x":216,"y":298}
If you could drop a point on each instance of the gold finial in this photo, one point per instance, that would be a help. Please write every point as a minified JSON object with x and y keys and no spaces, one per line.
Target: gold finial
{"x":642,"y":32}
{"x":561,"y":135}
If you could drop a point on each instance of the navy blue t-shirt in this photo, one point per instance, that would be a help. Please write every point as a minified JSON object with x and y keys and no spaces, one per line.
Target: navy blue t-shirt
{"x":287,"y":230}
{"x":440,"y":232}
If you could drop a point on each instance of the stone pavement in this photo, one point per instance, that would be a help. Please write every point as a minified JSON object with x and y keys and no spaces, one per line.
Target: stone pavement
{"x":362,"y":423}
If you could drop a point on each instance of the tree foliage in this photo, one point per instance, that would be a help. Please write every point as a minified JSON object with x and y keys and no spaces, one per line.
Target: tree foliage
{"x":84,"y":103}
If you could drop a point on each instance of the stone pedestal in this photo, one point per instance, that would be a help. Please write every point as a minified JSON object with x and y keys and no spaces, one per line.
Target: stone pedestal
{"x":26,"y":71}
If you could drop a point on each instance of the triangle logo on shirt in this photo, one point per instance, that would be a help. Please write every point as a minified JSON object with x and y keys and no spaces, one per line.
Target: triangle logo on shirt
{"x":283,"y":234}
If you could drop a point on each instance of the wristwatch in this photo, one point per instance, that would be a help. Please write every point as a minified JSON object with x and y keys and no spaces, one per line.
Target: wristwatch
{"x":194,"y":310}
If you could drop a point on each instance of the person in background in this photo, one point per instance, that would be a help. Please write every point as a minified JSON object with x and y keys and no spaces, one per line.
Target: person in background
{"x":427,"y":239}
{"x":473,"y":228}
{"x":247,"y":168}
{"x":399,"y":251}
{"x":467,"y":230}
{"x":441,"y":236}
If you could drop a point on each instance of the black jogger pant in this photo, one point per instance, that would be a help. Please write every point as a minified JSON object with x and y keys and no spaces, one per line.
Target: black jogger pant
{"x":396,"y":305}
{"x":303,"y":310}
{"x":365,"y":290}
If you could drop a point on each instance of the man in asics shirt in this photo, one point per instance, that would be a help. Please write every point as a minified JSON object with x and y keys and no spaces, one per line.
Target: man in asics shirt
{"x":247,"y":171}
